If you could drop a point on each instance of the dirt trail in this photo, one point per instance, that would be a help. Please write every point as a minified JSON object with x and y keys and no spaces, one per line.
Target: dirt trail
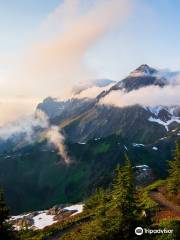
{"x":170,"y":210}
{"x":170,"y":206}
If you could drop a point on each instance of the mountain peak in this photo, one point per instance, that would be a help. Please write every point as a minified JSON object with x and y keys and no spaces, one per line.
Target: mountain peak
{"x":143,"y":70}
{"x":141,"y":77}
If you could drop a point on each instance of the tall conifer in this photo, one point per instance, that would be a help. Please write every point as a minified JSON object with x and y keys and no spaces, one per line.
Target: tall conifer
{"x":174,"y":171}
{"x":4,"y":211}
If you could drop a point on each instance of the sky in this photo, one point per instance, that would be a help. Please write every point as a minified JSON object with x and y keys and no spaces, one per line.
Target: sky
{"x":150,"y":35}
{"x":41,"y":38}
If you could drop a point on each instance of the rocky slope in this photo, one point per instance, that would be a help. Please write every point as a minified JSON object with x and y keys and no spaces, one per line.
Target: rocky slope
{"x":83,"y":119}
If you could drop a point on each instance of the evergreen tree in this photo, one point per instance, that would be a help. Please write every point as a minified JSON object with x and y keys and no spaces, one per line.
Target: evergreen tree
{"x":5,"y":229}
{"x":123,"y":208}
{"x":95,"y":200}
{"x":174,"y":171}
{"x":115,"y":213}
{"x":4,"y":211}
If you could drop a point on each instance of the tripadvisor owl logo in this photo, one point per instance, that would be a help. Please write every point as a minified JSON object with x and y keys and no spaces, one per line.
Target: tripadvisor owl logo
{"x":139,"y":231}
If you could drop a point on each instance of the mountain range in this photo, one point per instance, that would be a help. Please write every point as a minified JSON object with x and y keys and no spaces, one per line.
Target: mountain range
{"x":84,"y":119}
{"x":97,"y":136}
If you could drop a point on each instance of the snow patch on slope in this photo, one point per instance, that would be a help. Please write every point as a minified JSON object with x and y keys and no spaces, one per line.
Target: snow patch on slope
{"x":155,"y":110}
{"x":43,"y":220}
{"x":165,"y":124}
{"x":76,"y":207}
{"x":138,"y":145}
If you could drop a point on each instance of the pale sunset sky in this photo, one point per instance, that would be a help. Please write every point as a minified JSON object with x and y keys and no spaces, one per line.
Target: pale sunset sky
{"x":46,"y":46}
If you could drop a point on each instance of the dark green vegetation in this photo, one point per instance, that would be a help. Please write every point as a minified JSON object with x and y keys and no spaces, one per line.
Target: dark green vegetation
{"x":56,"y":229}
{"x":145,"y":200}
{"x":5,"y":229}
{"x":169,"y":224}
{"x":113,"y":214}
{"x":31,"y":174}
{"x":115,"y":211}
{"x":110,"y":213}
{"x":174,"y":172}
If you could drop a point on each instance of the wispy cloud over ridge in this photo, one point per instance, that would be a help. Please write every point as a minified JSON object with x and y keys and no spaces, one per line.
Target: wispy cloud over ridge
{"x":26,"y":130}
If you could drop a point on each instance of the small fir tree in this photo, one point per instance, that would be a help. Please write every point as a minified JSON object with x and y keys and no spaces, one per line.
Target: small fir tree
{"x":174,"y":171}
{"x":4,"y":211}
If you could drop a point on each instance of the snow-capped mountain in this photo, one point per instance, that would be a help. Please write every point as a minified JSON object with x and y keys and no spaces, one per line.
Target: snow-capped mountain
{"x":96,"y":136}
{"x":89,"y":119}
{"x":143,"y":76}
{"x":143,"y":70}
{"x":84,"y":118}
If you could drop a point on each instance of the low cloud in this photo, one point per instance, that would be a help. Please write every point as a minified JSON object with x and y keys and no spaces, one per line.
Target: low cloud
{"x":26,"y":129}
{"x":57,"y":139}
{"x":25,"y":126}
{"x":172,"y":77}
{"x":92,"y":92}
{"x":16,"y":108}
{"x":147,"y":96}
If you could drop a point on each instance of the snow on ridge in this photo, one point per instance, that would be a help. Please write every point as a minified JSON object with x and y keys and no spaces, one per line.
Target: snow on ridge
{"x":164,"y":74}
{"x":19,"y":216}
{"x":142,"y":166}
{"x":43,"y":220}
{"x":143,"y":70}
{"x":138,"y":73}
{"x":165,"y":124}
{"x":138,"y":145}
{"x":97,"y":139}
{"x":125,"y":147}
{"x":171,"y":110}
{"x":76,"y":207}
{"x":163,"y":138}
{"x":155,"y":110}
